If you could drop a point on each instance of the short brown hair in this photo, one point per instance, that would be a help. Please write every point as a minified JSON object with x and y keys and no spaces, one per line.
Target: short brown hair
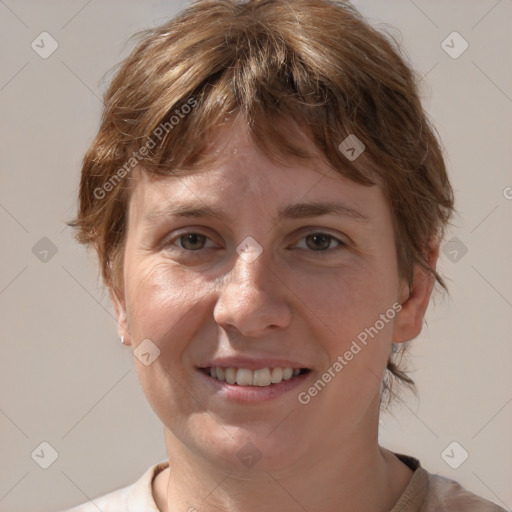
{"x":316,"y":62}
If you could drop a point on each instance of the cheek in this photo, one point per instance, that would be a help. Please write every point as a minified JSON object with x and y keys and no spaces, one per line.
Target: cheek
{"x":344,"y":302}
{"x":355,"y":331}
{"x":158,"y":298}
{"x":160,"y":305}
{"x":345,"y":311}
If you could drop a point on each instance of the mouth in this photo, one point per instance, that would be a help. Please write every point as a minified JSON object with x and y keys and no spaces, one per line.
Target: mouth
{"x":257,"y":378}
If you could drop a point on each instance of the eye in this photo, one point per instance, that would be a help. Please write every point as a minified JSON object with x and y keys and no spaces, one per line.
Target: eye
{"x":190,"y":241}
{"x":319,"y":241}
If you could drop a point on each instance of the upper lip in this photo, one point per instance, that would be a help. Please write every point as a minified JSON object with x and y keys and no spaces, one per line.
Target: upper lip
{"x":251,"y":363}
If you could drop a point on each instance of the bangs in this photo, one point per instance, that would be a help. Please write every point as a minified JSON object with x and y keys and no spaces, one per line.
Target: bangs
{"x":285,"y":110}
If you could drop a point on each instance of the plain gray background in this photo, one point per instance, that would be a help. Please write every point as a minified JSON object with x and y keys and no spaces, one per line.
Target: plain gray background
{"x":66,"y":380}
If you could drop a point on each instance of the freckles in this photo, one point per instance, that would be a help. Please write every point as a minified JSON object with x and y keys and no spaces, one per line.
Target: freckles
{"x":151,"y":285}
{"x":161,"y":288}
{"x":339,"y":292}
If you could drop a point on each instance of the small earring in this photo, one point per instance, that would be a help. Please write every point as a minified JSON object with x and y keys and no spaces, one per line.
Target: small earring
{"x":122,"y":340}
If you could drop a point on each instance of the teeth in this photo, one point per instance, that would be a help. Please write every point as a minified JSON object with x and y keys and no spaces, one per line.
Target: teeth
{"x":244,"y":377}
{"x":261,"y":377}
{"x":230,"y":375}
{"x":277,"y":375}
{"x":287,"y":373}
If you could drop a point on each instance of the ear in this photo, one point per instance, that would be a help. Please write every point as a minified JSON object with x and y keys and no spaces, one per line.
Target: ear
{"x":119,"y":304}
{"x":414,"y":300}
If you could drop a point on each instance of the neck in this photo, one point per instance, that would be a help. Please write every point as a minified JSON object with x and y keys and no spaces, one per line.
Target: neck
{"x":362,"y":476}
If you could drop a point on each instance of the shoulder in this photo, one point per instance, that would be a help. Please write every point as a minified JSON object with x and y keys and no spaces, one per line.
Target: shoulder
{"x":428,"y":492}
{"x":447,"y":495}
{"x":137,"y":497}
{"x":113,"y":501}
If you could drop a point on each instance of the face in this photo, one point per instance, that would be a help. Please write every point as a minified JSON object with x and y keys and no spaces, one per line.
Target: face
{"x":256,"y":266}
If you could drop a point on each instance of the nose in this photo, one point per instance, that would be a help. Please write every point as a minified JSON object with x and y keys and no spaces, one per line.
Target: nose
{"x":253,"y":299}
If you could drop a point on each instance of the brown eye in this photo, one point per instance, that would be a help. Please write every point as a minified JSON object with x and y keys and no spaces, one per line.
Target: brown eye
{"x":192,"y":241}
{"x":319,"y":241}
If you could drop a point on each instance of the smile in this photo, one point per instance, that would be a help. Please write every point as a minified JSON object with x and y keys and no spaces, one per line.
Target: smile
{"x":261,"y":377}
{"x":244,"y":385}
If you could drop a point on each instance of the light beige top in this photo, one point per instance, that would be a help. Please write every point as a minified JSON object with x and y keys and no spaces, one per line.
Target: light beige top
{"x":425,"y":492}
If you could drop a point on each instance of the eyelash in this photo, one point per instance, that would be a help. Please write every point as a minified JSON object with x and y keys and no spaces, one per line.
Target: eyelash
{"x":331,"y":238}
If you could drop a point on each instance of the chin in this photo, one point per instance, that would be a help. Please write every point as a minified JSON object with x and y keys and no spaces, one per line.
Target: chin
{"x":254,"y":448}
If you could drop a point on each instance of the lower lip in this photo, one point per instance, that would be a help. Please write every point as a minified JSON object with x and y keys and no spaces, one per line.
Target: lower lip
{"x":254,"y":393}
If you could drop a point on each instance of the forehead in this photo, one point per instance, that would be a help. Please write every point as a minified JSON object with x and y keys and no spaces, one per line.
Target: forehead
{"x":239,"y":176}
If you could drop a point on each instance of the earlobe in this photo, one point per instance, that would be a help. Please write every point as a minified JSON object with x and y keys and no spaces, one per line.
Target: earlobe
{"x":119,"y":305}
{"x":409,"y":321}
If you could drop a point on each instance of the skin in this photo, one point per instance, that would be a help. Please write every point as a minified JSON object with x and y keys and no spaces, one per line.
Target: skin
{"x":197,"y":299}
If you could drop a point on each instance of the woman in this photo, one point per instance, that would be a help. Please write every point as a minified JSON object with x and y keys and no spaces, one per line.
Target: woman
{"x":267,"y":199}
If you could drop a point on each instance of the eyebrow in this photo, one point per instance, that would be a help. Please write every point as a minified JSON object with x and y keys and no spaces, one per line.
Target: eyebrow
{"x":292,"y":211}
